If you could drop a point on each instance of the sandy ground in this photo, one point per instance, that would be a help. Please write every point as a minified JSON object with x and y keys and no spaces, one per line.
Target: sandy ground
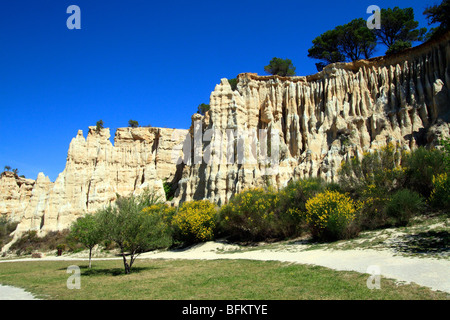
{"x":428,"y":272}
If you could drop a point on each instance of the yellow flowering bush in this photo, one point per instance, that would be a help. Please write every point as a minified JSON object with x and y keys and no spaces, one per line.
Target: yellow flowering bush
{"x":249,"y":216}
{"x":160,"y":209}
{"x":329,"y":215}
{"x":290,"y":209}
{"x":195,"y":221}
{"x":440,"y":195}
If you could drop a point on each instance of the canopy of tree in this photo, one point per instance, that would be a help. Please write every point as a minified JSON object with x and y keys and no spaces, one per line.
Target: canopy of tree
{"x":438,"y":14}
{"x":203,"y":108}
{"x":399,"y":29}
{"x":280,"y":67}
{"x":349,"y":42}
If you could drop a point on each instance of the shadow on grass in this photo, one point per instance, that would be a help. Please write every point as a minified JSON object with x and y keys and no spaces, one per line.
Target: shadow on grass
{"x":433,"y":242}
{"x":85,"y":271}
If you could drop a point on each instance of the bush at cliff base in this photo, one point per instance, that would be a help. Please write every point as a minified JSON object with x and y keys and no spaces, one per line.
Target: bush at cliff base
{"x":290,"y":205}
{"x":330,"y":215}
{"x":195,"y":221}
{"x":250,"y":216}
{"x":440,"y":195}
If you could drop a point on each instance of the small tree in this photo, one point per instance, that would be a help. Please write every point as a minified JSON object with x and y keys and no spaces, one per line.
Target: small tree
{"x":280,"y":67}
{"x":203,"y":108}
{"x":86,"y":230}
{"x":7,"y":168}
{"x":233,"y":83}
{"x":133,"y":123}
{"x":133,"y":230}
{"x":99,"y":126}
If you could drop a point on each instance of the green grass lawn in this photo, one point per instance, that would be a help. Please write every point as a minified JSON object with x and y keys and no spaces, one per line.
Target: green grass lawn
{"x":202,"y":280}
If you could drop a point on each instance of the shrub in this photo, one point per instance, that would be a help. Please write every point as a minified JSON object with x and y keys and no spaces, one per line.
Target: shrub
{"x":6,"y":228}
{"x":162,"y":210}
{"x":290,"y":205}
{"x":440,"y":195}
{"x":249,"y":216}
{"x":403,"y":205}
{"x":420,"y":166}
{"x":195,"y":221}
{"x":329,"y":215}
{"x":371,"y":180}
{"x":379,"y":170}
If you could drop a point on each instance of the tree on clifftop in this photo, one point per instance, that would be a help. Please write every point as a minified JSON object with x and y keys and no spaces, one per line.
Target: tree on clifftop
{"x":349,"y":42}
{"x":133,"y":123}
{"x":438,"y":14}
{"x":203,"y":108}
{"x":399,"y":29}
{"x":280,"y":67}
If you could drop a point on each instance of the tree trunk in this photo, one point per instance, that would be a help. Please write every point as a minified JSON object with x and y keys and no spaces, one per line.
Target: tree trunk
{"x":90,"y":255}
{"x":125,"y":264}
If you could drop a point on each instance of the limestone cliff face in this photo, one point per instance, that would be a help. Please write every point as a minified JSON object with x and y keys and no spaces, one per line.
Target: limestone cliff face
{"x":268,"y":131}
{"x":320,"y":120}
{"x":15,"y":192}
{"x":95,"y":172}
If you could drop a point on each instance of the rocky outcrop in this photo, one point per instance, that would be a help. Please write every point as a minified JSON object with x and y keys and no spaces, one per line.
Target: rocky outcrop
{"x":317,"y":121}
{"x":268,"y":131}
{"x":15,"y":193}
{"x":95,"y":173}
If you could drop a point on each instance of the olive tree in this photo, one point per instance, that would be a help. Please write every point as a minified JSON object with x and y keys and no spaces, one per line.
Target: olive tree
{"x":133,"y":230}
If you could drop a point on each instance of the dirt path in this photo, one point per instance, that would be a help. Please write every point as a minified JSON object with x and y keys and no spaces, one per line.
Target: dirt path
{"x":428,"y":272}
{"x":12,"y":293}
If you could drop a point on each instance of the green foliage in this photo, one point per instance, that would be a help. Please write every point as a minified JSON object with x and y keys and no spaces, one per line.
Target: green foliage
{"x":398,"y":26}
{"x":195,"y":221}
{"x":445,"y":144}
{"x":403,"y":205}
{"x":420,"y":166}
{"x":280,"y":67}
{"x":133,"y":230}
{"x":371,"y":180}
{"x":438,"y":14}
{"x":6,"y":228}
{"x":249,"y":216}
{"x":440,"y":195}
{"x":203,"y":108}
{"x":233,"y":83}
{"x":29,"y":242}
{"x":290,"y":205}
{"x":133,"y":123}
{"x":330,"y":215}
{"x":99,"y":126}
{"x":326,"y":48}
{"x":378,"y":172}
{"x":86,"y":230}
{"x":168,"y":190}
{"x":399,"y":46}
{"x":349,"y":42}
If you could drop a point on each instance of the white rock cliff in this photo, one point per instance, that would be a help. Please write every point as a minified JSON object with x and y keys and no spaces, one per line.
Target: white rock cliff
{"x":314,"y":123}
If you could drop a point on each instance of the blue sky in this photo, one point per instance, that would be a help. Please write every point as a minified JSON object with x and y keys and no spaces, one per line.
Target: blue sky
{"x":150,"y":61}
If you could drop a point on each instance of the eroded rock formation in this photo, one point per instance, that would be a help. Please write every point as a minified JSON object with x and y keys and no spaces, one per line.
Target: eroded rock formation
{"x":313,"y":122}
{"x":320,"y":120}
{"x":95,"y":172}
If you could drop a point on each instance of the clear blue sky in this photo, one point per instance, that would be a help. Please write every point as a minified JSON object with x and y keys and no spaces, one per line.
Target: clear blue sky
{"x":150,"y":61}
